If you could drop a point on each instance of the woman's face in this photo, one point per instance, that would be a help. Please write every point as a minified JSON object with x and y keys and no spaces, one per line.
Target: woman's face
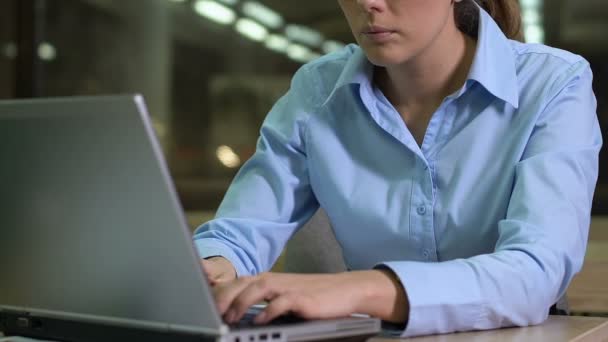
{"x":393,"y":32}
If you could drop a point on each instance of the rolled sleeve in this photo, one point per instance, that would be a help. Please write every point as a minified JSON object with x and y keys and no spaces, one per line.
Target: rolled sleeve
{"x":209,"y":247}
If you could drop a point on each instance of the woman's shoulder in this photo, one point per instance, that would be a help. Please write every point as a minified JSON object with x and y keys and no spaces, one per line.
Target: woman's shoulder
{"x":321,"y":74}
{"x":532,"y":50}
{"x":546,"y":70}
{"x":544,"y":60}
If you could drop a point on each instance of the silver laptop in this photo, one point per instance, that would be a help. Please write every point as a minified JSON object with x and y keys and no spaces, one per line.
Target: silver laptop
{"x":94,"y":245}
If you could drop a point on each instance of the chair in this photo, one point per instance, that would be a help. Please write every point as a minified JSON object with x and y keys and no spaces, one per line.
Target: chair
{"x":314,"y":248}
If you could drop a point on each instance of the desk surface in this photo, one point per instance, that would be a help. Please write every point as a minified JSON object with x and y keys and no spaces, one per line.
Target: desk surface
{"x":555,"y":329}
{"x":588,"y":292}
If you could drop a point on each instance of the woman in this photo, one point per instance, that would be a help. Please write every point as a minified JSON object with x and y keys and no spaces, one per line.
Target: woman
{"x":457,"y":168}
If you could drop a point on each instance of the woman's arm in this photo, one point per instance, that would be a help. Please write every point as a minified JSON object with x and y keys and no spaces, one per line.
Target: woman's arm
{"x":377,"y":293}
{"x":271,"y":195}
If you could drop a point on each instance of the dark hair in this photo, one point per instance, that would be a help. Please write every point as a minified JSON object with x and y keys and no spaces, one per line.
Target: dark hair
{"x":505,"y":12}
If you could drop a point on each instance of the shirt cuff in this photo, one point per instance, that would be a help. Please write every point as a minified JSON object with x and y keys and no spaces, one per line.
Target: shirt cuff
{"x":209,"y":247}
{"x":441,"y":298}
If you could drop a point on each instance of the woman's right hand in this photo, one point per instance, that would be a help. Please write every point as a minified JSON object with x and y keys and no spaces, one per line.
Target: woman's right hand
{"x":218,"y":270}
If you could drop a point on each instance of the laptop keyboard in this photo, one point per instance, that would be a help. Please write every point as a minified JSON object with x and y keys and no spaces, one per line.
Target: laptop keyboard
{"x":247,"y":320}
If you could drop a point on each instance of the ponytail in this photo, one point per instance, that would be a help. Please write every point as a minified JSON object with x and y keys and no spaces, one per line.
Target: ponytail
{"x":506,"y":13}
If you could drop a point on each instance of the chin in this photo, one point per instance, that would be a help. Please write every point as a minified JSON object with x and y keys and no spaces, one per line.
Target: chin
{"x":379,"y":61}
{"x":386,"y":57}
{"x":383,"y":60}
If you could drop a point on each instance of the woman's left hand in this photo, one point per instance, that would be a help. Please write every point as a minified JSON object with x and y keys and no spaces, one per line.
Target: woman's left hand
{"x":313,"y":296}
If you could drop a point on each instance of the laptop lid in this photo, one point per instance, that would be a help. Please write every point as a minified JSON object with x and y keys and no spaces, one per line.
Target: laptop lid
{"x":93,"y":233}
{"x":91,"y":225}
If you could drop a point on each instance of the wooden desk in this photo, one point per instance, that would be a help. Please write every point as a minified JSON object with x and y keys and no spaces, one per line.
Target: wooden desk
{"x":588,"y":292}
{"x":555,"y":329}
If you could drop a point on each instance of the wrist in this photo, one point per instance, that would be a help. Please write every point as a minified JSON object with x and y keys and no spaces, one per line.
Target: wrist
{"x":226,"y":267}
{"x":379,"y":293}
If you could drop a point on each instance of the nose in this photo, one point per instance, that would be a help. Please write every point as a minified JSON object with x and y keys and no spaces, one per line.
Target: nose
{"x":370,"y":5}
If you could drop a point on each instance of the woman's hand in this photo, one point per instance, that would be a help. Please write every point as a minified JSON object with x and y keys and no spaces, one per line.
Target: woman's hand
{"x":218,"y":270}
{"x":377,"y":293}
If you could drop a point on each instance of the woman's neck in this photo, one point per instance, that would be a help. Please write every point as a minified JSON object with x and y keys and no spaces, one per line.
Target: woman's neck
{"x":423,"y":82}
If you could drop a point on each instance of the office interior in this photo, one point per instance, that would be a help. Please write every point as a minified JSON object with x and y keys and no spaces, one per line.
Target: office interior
{"x":210,"y":70}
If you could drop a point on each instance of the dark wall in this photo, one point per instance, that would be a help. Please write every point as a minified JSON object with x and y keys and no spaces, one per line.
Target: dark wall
{"x":8,"y":48}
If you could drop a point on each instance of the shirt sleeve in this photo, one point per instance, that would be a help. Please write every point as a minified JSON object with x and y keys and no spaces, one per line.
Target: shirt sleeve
{"x":542,"y":239}
{"x":271,"y":195}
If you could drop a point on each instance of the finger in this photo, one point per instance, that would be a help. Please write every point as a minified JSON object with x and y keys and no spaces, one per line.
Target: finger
{"x":225,"y":293}
{"x":261,"y":289}
{"x":281,"y":305}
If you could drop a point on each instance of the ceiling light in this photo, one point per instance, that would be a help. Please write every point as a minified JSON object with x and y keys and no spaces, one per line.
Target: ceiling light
{"x":304,"y":35}
{"x":215,"y":12}
{"x":263,"y":14}
{"x":531,"y":17}
{"x":227,"y":157}
{"x":530,"y":3}
{"x":46,"y":51}
{"x":298,"y":53}
{"x":229,"y":2}
{"x":10,"y":50}
{"x":330,"y":46}
{"x":251,"y":29}
{"x":277,"y":43}
{"x":534,"y":34}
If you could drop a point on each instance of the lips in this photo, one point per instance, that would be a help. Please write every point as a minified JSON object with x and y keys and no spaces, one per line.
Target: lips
{"x":374,"y":29}
{"x":378,"y":33}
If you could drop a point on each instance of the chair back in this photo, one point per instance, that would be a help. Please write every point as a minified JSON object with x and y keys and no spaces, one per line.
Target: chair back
{"x":314,"y":248}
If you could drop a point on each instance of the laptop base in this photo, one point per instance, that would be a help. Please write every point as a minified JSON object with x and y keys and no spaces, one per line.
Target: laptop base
{"x":15,"y":324}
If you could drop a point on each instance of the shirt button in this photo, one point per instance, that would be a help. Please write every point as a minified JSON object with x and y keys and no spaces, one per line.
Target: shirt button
{"x":421,"y":210}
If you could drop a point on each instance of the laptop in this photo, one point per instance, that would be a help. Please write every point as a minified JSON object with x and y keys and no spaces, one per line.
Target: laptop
{"x":94,"y":245}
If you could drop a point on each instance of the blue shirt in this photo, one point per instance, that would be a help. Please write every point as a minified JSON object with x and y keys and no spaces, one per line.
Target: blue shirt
{"x":485,"y":223}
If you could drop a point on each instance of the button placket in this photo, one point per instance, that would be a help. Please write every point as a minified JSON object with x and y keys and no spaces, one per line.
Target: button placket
{"x":421,"y":210}
{"x":424,"y":211}
{"x":426,"y":254}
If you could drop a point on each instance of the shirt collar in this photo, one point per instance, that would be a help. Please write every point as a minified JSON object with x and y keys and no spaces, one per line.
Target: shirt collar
{"x":357,"y":70}
{"x":493,"y":65}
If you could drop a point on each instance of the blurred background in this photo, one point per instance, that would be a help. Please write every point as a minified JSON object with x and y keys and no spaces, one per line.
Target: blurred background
{"x":211,"y":69}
